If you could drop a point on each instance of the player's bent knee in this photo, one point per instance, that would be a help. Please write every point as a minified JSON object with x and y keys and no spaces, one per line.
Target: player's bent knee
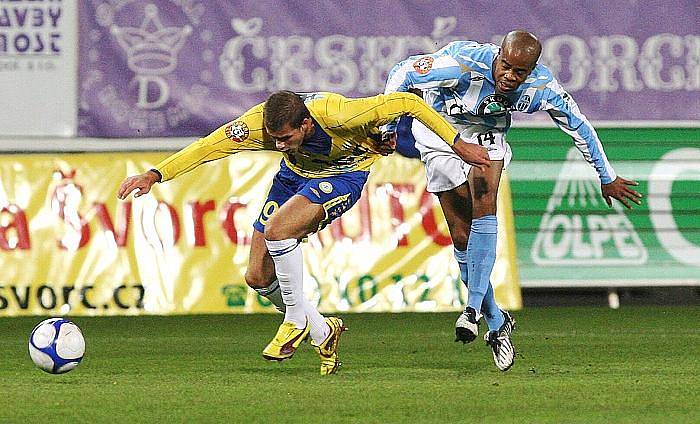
{"x":460,"y":238}
{"x":277,"y":229}
{"x":485,"y":205}
{"x":257,"y":280}
{"x":273,"y":231}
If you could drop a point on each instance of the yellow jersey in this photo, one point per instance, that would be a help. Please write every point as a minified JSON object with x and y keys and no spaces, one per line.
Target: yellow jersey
{"x":345,"y":139}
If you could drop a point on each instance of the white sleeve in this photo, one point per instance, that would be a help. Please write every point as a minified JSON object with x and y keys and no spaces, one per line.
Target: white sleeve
{"x":565,"y":113}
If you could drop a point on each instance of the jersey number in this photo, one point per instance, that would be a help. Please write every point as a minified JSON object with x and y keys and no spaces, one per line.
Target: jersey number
{"x":486,"y":139}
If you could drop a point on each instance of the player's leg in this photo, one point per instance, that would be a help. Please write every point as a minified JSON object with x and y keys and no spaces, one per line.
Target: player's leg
{"x":294,"y":220}
{"x":447,"y":174}
{"x":283,"y":231}
{"x":262,"y":268}
{"x":482,"y":242}
{"x":260,"y":275}
{"x":317,"y":203}
{"x":482,"y":253}
{"x":447,"y":178}
{"x":456,"y":205}
{"x":336,"y":194}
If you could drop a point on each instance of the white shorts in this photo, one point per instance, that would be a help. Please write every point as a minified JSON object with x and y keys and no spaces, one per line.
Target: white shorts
{"x":443,"y":168}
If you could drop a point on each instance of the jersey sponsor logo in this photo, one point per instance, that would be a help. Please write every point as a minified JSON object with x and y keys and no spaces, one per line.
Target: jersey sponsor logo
{"x":579,"y":229}
{"x":494,"y":105}
{"x":423,"y":65}
{"x":325,"y":187}
{"x":238,"y":131}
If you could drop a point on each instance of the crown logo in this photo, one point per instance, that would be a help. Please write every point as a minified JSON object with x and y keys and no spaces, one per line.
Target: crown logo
{"x":152,"y":48}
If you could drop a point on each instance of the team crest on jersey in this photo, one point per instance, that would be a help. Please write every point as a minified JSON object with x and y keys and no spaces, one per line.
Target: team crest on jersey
{"x":238,"y":131}
{"x":524,"y":103}
{"x":494,"y":105}
{"x":325,"y":187}
{"x":423,"y":65}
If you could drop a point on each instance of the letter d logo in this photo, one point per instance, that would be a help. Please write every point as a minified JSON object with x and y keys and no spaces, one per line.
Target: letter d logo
{"x":153,"y":92}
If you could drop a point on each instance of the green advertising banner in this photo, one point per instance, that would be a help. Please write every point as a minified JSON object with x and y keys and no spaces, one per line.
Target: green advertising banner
{"x":568,"y":236}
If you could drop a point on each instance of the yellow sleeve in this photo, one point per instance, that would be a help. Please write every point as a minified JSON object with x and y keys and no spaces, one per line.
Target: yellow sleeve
{"x":244,"y":133}
{"x":384,"y":108}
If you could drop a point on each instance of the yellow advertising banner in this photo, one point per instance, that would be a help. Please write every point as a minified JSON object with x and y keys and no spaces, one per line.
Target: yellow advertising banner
{"x":68,"y":246}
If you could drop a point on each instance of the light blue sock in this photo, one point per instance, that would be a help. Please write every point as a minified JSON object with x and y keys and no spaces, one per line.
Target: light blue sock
{"x":489,"y":307}
{"x":481,"y":249}
{"x":492,"y":313}
{"x":463,"y":262}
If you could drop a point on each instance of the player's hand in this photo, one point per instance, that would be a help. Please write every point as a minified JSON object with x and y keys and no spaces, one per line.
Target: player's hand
{"x":620,"y":190}
{"x":142,"y":183}
{"x":473,"y":154}
{"x":388,"y":144}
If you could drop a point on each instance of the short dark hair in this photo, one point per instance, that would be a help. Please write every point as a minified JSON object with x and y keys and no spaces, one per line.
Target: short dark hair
{"x":284,"y":107}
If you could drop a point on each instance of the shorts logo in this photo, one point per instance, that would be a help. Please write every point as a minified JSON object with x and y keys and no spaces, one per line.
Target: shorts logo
{"x":314,"y":191}
{"x":238,"y":131}
{"x":423,"y":65}
{"x":325,"y":187}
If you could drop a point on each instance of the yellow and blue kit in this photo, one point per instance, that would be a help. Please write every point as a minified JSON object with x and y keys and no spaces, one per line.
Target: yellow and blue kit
{"x":331,"y":166}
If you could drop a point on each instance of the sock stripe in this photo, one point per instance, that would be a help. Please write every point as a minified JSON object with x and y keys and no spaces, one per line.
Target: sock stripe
{"x":282,"y":252}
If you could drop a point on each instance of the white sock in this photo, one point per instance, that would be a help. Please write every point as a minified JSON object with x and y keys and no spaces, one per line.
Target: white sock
{"x":289,"y":266}
{"x":319,"y":329}
{"x":273,"y":294}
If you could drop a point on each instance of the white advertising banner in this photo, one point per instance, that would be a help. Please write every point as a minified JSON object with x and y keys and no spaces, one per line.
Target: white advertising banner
{"x":38,"y":67}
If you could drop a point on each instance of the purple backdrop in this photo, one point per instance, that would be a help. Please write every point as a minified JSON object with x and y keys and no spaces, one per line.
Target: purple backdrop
{"x":182,"y":68}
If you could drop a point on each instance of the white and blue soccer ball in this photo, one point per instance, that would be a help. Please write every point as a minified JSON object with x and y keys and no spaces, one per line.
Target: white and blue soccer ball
{"x":56,"y":345}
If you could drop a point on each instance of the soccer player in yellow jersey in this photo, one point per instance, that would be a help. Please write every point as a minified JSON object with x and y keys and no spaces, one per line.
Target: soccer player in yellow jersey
{"x":328,"y":144}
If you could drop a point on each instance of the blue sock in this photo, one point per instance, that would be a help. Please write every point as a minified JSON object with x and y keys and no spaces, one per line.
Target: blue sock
{"x":463,"y":262}
{"x":481,"y":249}
{"x":489,"y":307}
{"x":492,"y":313}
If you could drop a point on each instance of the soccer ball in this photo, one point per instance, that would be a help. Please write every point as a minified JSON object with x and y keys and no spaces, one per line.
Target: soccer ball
{"x":56,"y":345}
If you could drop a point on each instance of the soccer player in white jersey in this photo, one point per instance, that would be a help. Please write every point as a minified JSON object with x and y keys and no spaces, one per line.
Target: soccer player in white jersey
{"x":477,"y":87}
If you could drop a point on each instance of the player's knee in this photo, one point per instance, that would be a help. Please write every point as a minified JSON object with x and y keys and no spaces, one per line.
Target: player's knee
{"x":274,"y":229}
{"x":460,"y":238}
{"x":256,"y":279}
{"x":485,"y":204}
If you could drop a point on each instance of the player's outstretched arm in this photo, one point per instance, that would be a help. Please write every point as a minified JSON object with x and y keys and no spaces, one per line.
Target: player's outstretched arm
{"x":142,"y":183}
{"x":620,"y":190}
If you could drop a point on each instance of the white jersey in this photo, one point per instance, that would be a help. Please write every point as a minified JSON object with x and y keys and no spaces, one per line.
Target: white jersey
{"x":457,"y":81}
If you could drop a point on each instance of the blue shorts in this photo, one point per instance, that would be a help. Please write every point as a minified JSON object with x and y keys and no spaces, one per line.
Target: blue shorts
{"x":337,"y":193}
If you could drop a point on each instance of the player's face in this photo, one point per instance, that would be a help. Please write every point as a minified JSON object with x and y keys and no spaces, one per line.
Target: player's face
{"x":511,"y":69}
{"x":289,"y":139}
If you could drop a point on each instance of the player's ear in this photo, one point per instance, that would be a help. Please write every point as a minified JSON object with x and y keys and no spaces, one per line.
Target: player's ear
{"x":307,"y":124}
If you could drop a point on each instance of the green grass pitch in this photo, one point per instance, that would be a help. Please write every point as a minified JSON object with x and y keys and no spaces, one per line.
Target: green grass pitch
{"x":574,"y":365}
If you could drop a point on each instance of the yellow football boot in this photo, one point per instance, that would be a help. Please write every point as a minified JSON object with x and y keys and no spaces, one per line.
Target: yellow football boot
{"x":286,"y":341}
{"x":328,"y":349}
